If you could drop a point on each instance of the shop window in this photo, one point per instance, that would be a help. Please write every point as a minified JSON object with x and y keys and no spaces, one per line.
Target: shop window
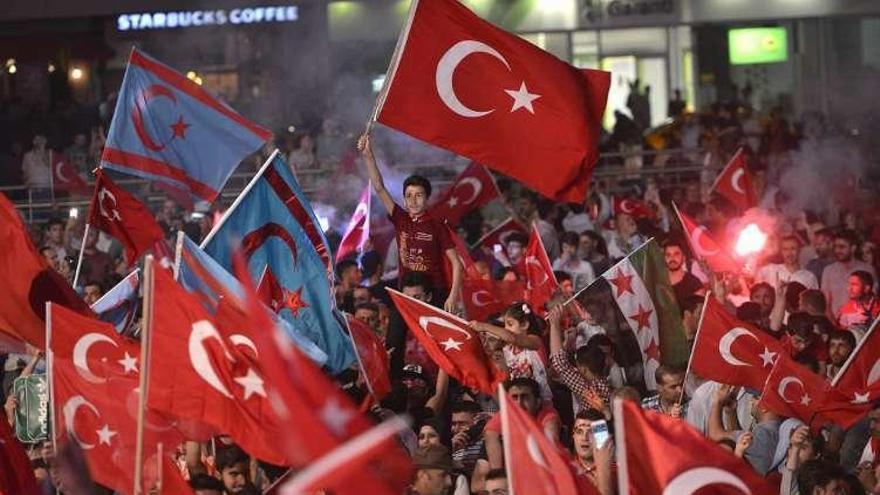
{"x":585,"y":49}
{"x":635,"y":40}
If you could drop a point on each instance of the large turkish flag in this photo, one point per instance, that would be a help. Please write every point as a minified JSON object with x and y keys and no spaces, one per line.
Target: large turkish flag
{"x":465,"y":85}
{"x":731,"y":351}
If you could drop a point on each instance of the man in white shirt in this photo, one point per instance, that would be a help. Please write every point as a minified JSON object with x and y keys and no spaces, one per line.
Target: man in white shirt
{"x":581,"y":271}
{"x":790,"y":269}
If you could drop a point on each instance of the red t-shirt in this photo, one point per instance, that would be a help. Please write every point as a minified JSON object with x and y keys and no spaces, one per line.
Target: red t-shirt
{"x":421,"y":245}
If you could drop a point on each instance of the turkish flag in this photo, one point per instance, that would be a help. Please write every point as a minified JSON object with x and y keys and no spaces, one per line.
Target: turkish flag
{"x":705,"y":248}
{"x":731,"y":351}
{"x":633,"y":207}
{"x":455,"y":348}
{"x":535,"y":465}
{"x":64,"y":176}
{"x":358,"y":231}
{"x":468,"y":268}
{"x":860,"y":375}
{"x":16,"y":473}
{"x":484,"y":298}
{"x":540,"y":281}
{"x":316,"y":416}
{"x":372,"y":357}
{"x":660,"y":454}
{"x":793,"y":391}
{"x":208,"y":370}
{"x":473,"y":188}
{"x":366,"y":455}
{"x":513,"y":107}
{"x":735,"y":183}
{"x":499,"y":234}
{"x":95,"y":383}
{"x":27,"y":284}
{"x":118,"y":213}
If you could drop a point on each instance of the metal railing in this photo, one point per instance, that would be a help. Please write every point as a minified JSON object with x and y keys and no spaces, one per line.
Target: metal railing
{"x":617,"y":171}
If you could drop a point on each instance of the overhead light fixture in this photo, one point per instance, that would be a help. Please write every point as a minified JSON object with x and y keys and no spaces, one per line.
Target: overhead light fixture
{"x":76,"y":74}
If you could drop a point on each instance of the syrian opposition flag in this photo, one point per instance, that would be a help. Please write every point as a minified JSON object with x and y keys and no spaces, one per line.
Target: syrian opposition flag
{"x":512,"y":105}
{"x":358,"y":231}
{"x":663,"y":455}
{"x":639,"y":286}
{"x":473,"y":188}
{"x":706,"y":248}
{"x":735,"y":183}
{"x":64,"y":176}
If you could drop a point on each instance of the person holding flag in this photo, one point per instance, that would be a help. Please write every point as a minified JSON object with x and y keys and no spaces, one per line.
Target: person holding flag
{"x":422,"y":240}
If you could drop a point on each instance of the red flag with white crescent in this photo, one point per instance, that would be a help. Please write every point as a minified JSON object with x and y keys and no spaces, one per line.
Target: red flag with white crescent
{"x":860,"y":374}
{"x":731,"y":351}
{"x":372,"y":357}
{"x":540,"y":281}
{"x":535,"y":465}
{"x":706,"y":248}
{"x":483,"y":298}
{"x":735,"y":183}
{"x":633,"y":207}
{"x":473,"y":188}
{"x":514,"y":107}
{"x":449,"y":341}
{"x":120,"y":214}
{"x":64,"y":176}
{"x":358,"y":231}
{"x":656,"y":454}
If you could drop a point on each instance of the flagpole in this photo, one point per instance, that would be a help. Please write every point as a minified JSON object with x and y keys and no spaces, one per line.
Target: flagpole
{"x":488,"y":234}
{"x":178,"y":252}
{"x":51,"y":177}
{"x":80,"y":257}
{"x":620,"y":448}
{"x":854,"y":353}
{"x":596,"y":280}
{"x":146,"y":322}
{"x":238,"y":200}
{"x":691,"y":354}
{"x":505,"y":432}
{"x":357,"y":355}
{"x":50,"y":356}
{"x":392,"y":66}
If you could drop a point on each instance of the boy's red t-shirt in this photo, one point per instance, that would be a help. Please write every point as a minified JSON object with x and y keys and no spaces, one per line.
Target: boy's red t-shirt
{"x":421,"y":245}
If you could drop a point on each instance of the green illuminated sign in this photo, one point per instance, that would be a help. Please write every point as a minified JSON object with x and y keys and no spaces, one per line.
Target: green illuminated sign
{"x":758,"y":45}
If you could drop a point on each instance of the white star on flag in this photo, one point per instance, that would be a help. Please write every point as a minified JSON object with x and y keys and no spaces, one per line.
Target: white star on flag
{"x":252,"y":384}
{"x":805,"y":400}
{"x":335,"y":417}
{"x":522,"y":98}
{"x":768,"y":357}
{"x":105,"y":434}
{"x":861,"y":398}
{"x":453,"y":202}
{"x":129,"y":364}
{"x":451,"y":343}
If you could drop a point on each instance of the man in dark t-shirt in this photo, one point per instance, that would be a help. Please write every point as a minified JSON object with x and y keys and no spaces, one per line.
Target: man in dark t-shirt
{"x":684,"y":283}
{"x":422,"y":240}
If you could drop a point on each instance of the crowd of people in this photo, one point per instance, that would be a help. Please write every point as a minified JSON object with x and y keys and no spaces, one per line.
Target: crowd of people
{"x":812,"y":287}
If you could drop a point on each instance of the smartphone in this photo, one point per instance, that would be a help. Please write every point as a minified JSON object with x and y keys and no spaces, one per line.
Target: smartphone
{"x":498,"y":248}
{"x":600,"y":433}
{"x":73,"y":213}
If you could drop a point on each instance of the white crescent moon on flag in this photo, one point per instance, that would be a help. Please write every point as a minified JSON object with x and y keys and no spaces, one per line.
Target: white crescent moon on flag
{"x":625,"y":207}
{"x":727,"y":341}
{"x":874,"y":374}
{"x":535,"y":452}
{"x":532,"y":260}
{"x":424,"y":321}
{"x":59,"y":174}
{"x":476,"y":186}
{"x":735,"y":179}
{"x":69,"y":410}
{"x":81,"y":359}
{"x":239,"y":340}
{"x":784,"y":383}
{"x":476,"y":299}
{"x":201,"y":331}
{"x":446,"y":69}
{"x":688,"y":482}
{"x":696,"y":236}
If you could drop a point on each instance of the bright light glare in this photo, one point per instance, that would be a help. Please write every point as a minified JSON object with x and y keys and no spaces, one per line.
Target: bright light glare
{"x":751,"y":240}
{"x":325,"y":223}
{"x":76,"y":74}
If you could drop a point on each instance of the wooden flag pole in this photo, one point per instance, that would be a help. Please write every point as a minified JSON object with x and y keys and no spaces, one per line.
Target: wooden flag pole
{"x":146,"y":322}
{"x":687,"y":370}
{"x":79,"y":261}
